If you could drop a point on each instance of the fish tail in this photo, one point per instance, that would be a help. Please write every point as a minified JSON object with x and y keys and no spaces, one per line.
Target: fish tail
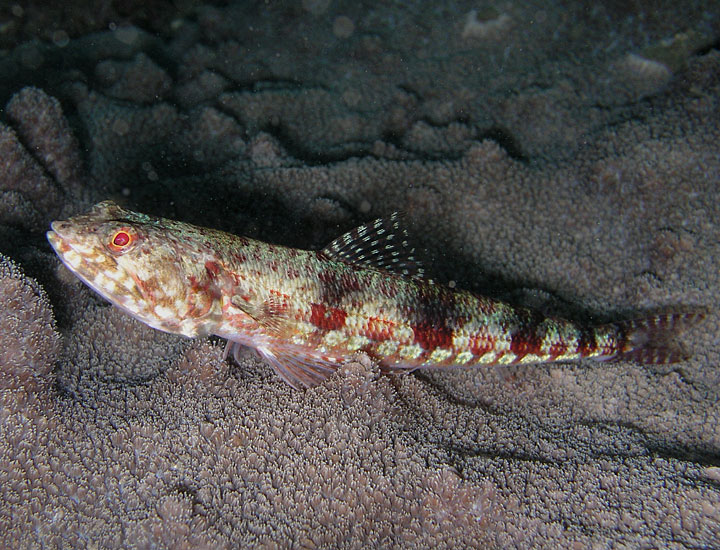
{"x":651,"y":339}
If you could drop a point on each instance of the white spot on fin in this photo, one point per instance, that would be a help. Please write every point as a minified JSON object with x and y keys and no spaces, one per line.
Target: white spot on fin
{"x":380,"y":244}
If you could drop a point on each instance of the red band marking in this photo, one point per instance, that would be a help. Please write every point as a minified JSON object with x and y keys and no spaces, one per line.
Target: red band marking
{"x":587,"y":343}
{"x":327,"y":318}
{"x":557,"y":349}
{"x":481,"y":344}
{"x":522,"y":345}
{"x":430,"y":337}
{"x":379,"y":330}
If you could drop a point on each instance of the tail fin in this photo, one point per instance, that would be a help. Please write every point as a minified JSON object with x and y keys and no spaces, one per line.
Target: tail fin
{"x":650,"y":340}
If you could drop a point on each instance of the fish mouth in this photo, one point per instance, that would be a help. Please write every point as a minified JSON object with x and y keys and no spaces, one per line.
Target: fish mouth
{"x":73,"y":258}
{"x":62,"y":242}
{"x":93,"y":271}
{"x":102,"y":273}
{"x":57,"y":242}
{"x":58,"y":228}
{"x":59,"y":237}
{"x":90,"y":268}
{"x":53,"y":238}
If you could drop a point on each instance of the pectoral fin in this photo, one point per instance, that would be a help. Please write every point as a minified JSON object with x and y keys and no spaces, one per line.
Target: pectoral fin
{"x":271,"y":313}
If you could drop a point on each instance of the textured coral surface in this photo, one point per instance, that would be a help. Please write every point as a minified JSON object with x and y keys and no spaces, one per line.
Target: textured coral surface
{"x":563,"y":157}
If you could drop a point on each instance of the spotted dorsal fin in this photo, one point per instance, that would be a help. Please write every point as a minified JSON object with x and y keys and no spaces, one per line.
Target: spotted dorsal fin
{"x":380,"y":244}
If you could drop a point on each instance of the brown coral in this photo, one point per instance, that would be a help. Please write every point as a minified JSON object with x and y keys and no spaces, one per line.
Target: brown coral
{"x":96,"y":338}
{"x":39,"y":160}
{"x":39,"y":120}
{"x":140,"y":80}
{"x":27,"y":196}
{"x":29,"y":344}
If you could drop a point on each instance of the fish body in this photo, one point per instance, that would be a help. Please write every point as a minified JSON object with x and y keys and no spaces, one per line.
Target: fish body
{"x":307,"y":312}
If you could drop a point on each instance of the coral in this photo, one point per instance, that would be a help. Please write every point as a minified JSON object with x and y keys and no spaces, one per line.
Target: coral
{"x":570,"y":149}
{"x":29,"y":343}
{"x":207,"y":460}
{"x":23,"y":21}
{"x":100,"y":348}
{"x":39,"y":120}
{"x":140,"y":80}
{"x":27,"y":196}
{"x":492,"y":26}
{"x":642,"y":76}
{"x":298,"y":115}
{"x":39,"y":160}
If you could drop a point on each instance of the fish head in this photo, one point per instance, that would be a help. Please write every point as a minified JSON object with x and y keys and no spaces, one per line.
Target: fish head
{"x":151,"y":268}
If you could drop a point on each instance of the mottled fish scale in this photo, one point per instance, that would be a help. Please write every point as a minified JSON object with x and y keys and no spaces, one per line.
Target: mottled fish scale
{"x":308,"y":311}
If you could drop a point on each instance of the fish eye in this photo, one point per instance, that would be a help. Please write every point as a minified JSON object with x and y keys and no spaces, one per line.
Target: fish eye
{"x":121,"y":240}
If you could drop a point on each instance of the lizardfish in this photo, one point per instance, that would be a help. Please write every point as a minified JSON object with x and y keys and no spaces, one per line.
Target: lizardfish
{"x":308,"y":311}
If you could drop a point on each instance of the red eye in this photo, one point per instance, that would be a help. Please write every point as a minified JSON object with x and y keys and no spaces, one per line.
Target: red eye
{"x":120,"y":240}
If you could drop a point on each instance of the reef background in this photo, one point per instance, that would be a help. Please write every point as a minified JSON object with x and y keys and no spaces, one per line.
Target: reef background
{"x":563,"y":156}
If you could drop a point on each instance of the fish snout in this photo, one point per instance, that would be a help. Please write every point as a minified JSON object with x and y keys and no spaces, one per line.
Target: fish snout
{"x":59,"y":226}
